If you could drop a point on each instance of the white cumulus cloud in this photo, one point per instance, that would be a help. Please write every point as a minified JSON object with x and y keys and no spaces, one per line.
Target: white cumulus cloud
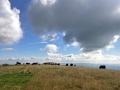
{"x":10,"y":30}
{"x":51,"y":48}
{"x":75,"y":44}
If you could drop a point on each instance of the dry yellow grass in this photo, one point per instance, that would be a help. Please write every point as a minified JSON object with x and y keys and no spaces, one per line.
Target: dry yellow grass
{"x":48,"y":77}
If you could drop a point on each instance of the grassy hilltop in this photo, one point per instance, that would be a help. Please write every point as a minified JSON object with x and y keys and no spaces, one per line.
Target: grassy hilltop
{"x":53,"y":77}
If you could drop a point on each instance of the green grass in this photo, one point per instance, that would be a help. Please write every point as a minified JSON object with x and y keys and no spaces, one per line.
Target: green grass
{"x":14,"y":80}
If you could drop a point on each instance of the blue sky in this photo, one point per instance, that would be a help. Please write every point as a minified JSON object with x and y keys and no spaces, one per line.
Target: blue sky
{"x":60,"y":31}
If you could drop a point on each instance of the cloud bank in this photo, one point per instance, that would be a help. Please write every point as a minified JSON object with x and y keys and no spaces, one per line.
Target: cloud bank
{"x":10,"y":30}
{"x":93,"y":24}
{"x":94,"y":57}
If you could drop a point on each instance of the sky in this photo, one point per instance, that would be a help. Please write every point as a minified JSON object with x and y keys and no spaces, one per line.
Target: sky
{"x":64,"y":31}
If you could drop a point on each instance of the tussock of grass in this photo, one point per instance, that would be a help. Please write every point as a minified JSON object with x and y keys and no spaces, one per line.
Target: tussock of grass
{"x":48,"y":77}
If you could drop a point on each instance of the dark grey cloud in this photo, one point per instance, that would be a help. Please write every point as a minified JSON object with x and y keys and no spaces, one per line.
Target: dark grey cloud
{"x":92,"y":23}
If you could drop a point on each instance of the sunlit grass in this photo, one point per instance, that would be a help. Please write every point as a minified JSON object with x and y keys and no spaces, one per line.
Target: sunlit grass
{"x":48,"y":77}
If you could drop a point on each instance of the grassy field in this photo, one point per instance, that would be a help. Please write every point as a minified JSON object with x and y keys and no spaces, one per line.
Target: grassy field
{"x":51,"y":77}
